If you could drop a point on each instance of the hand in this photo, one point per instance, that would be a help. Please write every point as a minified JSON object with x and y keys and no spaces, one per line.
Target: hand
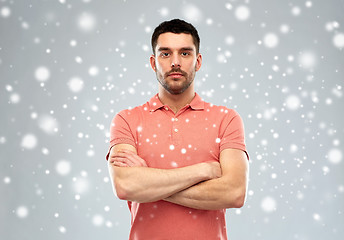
{"x":214,"y":169}
{"x":126,"y":158}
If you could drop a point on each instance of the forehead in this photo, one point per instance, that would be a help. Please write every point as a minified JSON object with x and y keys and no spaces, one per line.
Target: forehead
{"x":175,"y":41}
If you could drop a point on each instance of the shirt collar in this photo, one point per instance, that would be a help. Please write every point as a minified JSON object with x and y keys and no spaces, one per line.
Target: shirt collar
{"x":155,"y":103}
{"x":196,"y":104}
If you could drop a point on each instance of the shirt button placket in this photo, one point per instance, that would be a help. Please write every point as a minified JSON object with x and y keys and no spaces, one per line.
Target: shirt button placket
{"x":175,"y":131}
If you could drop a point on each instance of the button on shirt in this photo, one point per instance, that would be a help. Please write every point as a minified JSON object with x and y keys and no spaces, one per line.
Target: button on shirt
{"x":196,"y":133}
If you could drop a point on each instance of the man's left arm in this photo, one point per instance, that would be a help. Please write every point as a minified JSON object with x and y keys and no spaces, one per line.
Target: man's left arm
{"x":228,"y":191}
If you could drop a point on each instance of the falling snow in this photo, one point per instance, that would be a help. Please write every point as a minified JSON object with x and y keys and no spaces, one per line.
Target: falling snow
{"x":7,"y":180}
{"x":76,"y":84}
{"x":293,"y":102}
{"x":86,"y":22}
{"x":15,"y":98}
{"x":242,"y":13}
{"x":307,"y":60}
{"x":268,"y":204}
{"x":338,"y":40}
{"x":93,"y":71}
{"x":164,"y":11}
{"x":67,"y":67}
{"x":62,"y":229}
{"x":29,"y":141}
{"x":48,"y":124}
{"x":42,"y":74}
{"x":97,"y":220}
{"x":335,"y":156}
{"x":191,"y":12}
{"x":63,"y":167}
{"x":80,"y":185}
{"x":5,"y":12}
{"x":271,"y":40}
{"x":22,"y":212}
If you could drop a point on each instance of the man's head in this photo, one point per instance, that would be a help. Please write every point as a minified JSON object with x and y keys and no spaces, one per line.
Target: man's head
{"x":175,"y":26}
{"x":176,"y":57}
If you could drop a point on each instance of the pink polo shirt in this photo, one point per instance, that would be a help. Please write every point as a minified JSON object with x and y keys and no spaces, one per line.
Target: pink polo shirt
{"x":165,"y":140}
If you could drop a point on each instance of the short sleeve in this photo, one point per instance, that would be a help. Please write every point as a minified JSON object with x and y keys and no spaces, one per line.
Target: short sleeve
{"x":232,"y":132}
{"x":120,"y":132}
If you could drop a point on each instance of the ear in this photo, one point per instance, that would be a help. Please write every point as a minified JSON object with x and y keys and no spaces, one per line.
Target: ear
{"x":198,"y":62}
{"x":152,"y":62}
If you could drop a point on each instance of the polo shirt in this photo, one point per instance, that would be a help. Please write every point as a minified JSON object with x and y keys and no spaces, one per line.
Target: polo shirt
{"x":196,"y":133}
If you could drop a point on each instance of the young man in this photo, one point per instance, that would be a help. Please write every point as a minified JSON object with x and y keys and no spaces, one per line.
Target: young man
{"x":177,"y":160}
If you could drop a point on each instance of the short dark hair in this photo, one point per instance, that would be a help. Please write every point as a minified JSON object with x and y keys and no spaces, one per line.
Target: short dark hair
{"x":175,"y":26}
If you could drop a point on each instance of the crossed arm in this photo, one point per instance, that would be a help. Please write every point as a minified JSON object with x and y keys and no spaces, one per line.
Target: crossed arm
{"x":208,"y":186}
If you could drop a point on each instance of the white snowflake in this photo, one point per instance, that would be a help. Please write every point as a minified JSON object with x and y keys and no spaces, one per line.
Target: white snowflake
{"x":86,"y":22}
{"x":42,"y":74}
{"x":97,"y":220}
{"x":22,"y":211}
{"x":5,"y":12}
{"x":268,"y":204}
{"x":63,"y":167}
{"x":338,"y":40}
{"x":242,"y":13}
{"x":191,"y":13}
{"x":271,"y":40}
{"x":29,"y":141}
{"x":76,"y":84}
{"x":335,"y":155}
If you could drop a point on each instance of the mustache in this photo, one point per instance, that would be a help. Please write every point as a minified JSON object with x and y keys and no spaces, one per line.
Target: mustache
{"x":175,"y":70}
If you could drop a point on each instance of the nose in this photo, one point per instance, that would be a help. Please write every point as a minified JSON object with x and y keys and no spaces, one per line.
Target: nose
{"x":175,"y":65}
{"x":175,"y":61}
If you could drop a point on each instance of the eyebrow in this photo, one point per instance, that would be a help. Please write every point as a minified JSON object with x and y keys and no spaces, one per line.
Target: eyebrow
{"x":182,"y":49}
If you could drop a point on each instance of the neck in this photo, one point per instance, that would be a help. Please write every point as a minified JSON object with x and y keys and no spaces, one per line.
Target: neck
{"x":178,"y":101}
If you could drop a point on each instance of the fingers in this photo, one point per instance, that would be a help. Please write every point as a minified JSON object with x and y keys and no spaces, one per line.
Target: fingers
{"x":122,"y":161}
{"x":133,"y":157}
{"x":120,"y":164}
{"x":125,"y":158}
{"x":118,"y":160}
{"x":137,"y":160}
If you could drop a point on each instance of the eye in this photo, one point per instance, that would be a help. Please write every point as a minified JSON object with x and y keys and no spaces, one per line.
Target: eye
{"x":164,"y":54}
{"x":184,"y":54}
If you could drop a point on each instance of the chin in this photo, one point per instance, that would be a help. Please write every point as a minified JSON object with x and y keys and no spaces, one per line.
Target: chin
{"x":176,"y":91}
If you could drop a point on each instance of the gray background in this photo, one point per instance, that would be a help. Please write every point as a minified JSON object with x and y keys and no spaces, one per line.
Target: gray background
{"x":67,"y":67}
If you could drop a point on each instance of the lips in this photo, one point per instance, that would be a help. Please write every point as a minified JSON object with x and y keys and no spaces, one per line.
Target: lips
{"x":176,"y":75}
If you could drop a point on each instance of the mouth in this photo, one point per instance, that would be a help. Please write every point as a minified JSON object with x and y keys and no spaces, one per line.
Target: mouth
{"x":176,"y":75}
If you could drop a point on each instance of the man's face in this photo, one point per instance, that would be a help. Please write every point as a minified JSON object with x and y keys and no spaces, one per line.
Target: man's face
{"x":175,"y":61}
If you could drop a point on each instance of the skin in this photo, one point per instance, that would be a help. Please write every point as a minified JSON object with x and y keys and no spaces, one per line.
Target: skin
{"x":208,"y":186}
{"x":175,"y":64}
{"x":133,"y":181}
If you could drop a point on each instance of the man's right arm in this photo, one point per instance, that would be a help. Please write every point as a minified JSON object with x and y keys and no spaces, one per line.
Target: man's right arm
{"x":145,"y":184}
